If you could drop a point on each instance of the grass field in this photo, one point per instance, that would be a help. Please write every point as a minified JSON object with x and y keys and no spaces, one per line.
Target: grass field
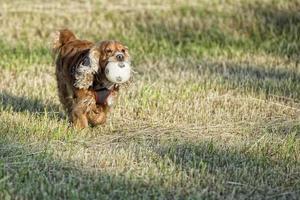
{"x":213,"y":112}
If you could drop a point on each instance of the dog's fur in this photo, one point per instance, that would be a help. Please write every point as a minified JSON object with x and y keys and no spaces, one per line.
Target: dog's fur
{"x":80,"y":66}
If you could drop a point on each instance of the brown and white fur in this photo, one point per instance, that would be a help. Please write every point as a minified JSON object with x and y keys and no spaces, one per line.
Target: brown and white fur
{"x":80,"y":66}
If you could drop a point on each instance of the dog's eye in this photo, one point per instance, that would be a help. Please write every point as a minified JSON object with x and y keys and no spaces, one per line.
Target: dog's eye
{"x":123,"y":50}
{"x":108,"y":51}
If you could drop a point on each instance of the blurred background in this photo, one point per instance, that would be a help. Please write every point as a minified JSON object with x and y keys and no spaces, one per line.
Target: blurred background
{"x":213,"y":111}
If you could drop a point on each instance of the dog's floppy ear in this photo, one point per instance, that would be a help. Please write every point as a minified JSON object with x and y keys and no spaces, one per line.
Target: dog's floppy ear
{"x":84,"y":73}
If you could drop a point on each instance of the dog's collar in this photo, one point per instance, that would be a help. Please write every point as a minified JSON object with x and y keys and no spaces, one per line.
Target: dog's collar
{"x":102,"y":94}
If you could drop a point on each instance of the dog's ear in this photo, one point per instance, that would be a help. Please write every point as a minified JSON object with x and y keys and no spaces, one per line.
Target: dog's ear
{"x":84,"y":72}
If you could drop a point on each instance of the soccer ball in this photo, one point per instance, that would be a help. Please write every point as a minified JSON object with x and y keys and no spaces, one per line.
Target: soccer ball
{"x":118,"y":72}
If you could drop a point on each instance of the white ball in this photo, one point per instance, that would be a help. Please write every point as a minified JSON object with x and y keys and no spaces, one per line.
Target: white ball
{"x":117,"y":72}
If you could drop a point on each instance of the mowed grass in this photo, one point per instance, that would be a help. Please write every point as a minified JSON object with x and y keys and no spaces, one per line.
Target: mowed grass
{"x":212,"y":113}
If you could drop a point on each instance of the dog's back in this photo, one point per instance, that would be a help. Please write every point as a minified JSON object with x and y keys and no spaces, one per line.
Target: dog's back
{"x":66,"y":47}
{"x":67,"y":51}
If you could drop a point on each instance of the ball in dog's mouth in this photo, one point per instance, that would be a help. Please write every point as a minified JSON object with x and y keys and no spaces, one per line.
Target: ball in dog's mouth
{"x":118,"y":72}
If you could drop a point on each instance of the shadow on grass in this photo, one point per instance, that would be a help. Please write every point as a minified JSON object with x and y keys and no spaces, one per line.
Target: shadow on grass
{"x":280,"y":27}
{"x":23,"y":104}
{"x":29,"y":172}
{"x":248,"y":78}
{"x":184,"y":170}
{"x":253,"y":27}
{"x":232,"y":174}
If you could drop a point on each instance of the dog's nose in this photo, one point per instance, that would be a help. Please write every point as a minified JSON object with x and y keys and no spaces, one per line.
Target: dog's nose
{"x":120,"y":57}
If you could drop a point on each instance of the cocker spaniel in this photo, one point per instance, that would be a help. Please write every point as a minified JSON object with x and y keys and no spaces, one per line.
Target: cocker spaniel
{"x":84,"y":90}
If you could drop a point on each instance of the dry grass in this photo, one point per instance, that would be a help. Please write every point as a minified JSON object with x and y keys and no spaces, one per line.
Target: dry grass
{"x":213,"y":112}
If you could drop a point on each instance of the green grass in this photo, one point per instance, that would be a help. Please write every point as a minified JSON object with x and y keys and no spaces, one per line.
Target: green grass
{"x":213,"y":112}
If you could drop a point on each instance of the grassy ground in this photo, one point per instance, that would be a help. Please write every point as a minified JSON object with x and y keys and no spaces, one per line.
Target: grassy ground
{"x":213,"y":112}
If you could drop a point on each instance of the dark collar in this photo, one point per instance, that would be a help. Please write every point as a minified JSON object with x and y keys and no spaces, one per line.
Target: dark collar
{"x":102,"y":94}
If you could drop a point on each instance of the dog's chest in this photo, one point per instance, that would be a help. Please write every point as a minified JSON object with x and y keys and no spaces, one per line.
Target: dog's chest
{"x":104,"y":95}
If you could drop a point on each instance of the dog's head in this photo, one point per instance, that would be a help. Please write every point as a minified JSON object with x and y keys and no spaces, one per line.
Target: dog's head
{"x":104,"y":52}
{"x":108,"y":51}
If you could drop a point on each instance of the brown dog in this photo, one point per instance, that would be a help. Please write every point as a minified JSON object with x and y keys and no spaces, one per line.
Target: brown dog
{"x":83,"y":89}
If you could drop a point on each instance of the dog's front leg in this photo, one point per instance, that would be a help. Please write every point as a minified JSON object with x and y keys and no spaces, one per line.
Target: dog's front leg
{"x":83,"y":101}
{"x":79,"y":117}
{"x":97,"y":115}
